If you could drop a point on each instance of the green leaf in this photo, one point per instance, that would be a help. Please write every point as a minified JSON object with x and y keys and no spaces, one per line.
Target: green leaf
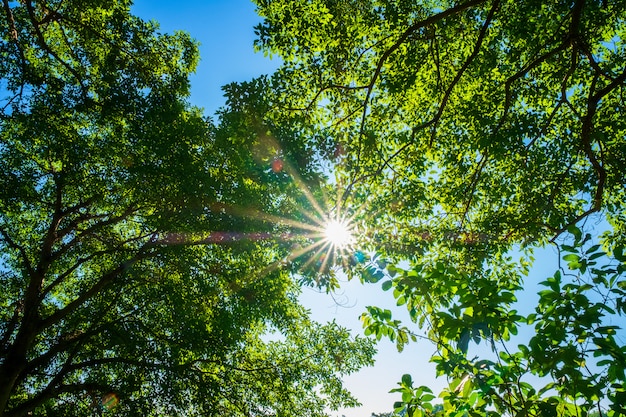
{"x":576,"y":232}
{"x":464,"y":339}
{"x":592,"y":249}
{"x":571,"y":257}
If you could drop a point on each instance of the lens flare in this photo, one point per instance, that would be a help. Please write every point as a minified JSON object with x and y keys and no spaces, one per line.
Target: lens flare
{"x":109,"y":401}
{"x":323,"y":232}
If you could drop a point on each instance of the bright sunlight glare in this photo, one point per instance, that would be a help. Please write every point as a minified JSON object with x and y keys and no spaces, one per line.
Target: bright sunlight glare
{"x":338,"y":233}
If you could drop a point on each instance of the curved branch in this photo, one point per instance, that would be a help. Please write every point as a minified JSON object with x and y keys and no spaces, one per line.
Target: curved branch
{"x":28,"y":266}
{"x":475,"y":179}
{"x":466,"y":64}
{"x":32,"y":404}
{"x":45,"y":258}
{"x":15,"y":40}
{"x":405,"y":35}
{"x":89,"y":231}
{"x":10,"y":327}
{"x":44,"y":45}
{"x":586,"y":142}
{"x":79,"y":262}
{"x":73,"y":341}
{"x":521,"y":73}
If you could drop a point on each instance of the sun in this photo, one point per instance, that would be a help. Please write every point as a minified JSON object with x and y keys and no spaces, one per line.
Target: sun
{"x":323,"y":233}
{"x":338,"y":233}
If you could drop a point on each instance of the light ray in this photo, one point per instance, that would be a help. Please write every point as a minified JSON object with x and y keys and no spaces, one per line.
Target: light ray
{"x":329,"y":254}
{"x":327,"y":226}
{"x":305,"y":190}
{"x":314,"y":256}
{"x":293,"y":255}
{"x":255,"y":214}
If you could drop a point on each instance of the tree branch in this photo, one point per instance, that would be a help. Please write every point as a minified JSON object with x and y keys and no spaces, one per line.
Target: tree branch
{"x":407,"y":33}
{"x":61,"y":277}
{"x":521,"y":73}
{"x":15,"y":41}
{"x":45,"y":258}
{"x":475,"y":179}
{"x":90,"y":230}
{"x":30,"y":405}
{"x":102,"y":283}
{"x":22,"y":252}
{"x":44,"y":45}
{"x":586,"y":142}
{"x":11,"y":326}
{"x":466,"y":64}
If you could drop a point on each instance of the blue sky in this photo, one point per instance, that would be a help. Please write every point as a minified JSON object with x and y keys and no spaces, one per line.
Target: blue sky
{"x":225,"y":31}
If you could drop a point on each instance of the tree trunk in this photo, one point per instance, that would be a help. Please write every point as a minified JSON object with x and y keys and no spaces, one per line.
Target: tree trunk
{"x":16,"y":359}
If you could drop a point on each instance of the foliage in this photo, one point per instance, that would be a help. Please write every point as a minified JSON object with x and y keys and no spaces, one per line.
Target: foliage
{"x":454,"y":111}
{"x":571,"y":364}
{"x":464,"y":133}
{"x":131,"y":278}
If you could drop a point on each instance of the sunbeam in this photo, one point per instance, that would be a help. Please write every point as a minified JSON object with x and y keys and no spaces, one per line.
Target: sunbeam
{"x":322,"y":231}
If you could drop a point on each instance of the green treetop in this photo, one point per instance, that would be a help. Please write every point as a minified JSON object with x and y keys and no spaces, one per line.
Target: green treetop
{"x":461,"y":130}
{"x":131,"y":278}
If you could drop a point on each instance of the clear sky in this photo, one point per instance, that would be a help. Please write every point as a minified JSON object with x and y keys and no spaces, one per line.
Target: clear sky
{"x":224,"y":29}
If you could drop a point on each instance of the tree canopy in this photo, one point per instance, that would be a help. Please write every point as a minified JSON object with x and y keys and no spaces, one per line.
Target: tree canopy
{"x":152,"y":257}
{"x":135,"y":276}
{"x":489,"y":96}
{"x":466,"y":133}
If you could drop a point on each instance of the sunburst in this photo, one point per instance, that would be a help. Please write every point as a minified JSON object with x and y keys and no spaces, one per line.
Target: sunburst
{"x":338,"y":232}
{"x":328,"y":228}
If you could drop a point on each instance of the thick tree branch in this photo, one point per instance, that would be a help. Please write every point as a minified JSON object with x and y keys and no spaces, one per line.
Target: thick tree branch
{"x":11,"y":20}
{"x":66,"y":343}
{"x":586,"y":140}
{"x":102,"y":283}
{"x":614,"y":84}
{"x":584,"y":47}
